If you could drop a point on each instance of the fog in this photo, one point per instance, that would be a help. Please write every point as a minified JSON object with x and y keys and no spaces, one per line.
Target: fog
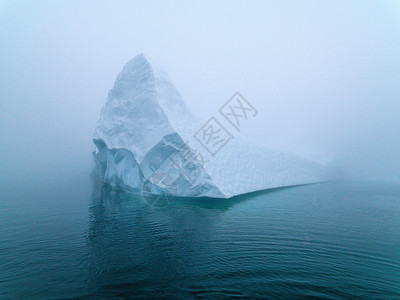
{"x":324,"y":76}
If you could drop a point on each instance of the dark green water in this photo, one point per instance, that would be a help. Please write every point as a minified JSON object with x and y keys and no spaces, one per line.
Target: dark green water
{"x":70,"y":239}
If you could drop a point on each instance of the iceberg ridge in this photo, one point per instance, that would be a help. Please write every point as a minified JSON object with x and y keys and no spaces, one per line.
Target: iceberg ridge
{"x":145,"y":134}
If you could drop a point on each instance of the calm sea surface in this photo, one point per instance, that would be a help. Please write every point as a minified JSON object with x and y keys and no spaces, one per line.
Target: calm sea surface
{"x":73,"y":239}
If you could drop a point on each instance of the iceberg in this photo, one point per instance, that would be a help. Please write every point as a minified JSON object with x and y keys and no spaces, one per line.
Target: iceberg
{"x":147,"y":140}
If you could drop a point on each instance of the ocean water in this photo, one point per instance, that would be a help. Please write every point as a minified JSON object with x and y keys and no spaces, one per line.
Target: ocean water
{"x":71,"y":238}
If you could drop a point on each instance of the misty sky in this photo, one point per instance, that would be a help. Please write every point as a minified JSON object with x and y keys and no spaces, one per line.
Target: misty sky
{"x":324,"y":75}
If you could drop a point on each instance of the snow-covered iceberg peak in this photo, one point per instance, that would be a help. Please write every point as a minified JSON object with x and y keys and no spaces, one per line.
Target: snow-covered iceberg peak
{"x":141,"y":108}
{"x":145,"y":127}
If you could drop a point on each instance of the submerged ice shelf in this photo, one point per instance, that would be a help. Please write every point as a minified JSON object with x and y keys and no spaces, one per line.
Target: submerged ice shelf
{"x":145,"y":137}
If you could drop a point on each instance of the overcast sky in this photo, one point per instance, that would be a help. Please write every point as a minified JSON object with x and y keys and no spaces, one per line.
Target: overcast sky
{"x":324,"y":75}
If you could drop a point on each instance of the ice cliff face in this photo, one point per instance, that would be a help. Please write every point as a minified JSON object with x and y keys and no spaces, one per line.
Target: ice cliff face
{"x":145,"y":136}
